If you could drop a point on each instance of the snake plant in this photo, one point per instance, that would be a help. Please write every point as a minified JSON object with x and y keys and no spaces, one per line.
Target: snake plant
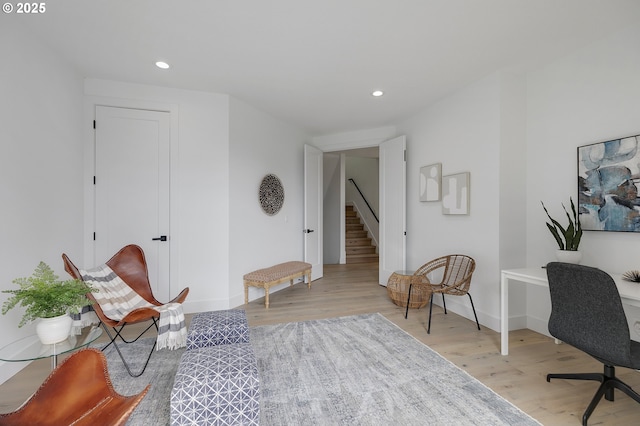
{"x":567,"y":238}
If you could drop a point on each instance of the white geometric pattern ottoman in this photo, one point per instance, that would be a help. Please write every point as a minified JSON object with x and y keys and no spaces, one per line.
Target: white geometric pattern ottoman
{"x":217,"y":328}
{"x":217,"y":385}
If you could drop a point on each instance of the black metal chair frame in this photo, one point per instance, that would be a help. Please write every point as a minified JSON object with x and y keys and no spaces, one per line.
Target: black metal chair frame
{"x":118,"y":334}
{"x":608,"y":382}
{"x":444,"y":305}
{"x":130,"y":264}
{"x":463,"y":282}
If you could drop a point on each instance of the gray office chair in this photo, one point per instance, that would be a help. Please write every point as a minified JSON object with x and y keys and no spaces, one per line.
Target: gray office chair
{"x":586,"y":312}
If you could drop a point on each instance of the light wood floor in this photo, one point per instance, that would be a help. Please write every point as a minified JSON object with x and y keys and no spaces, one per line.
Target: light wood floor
{"x":519,"y":377}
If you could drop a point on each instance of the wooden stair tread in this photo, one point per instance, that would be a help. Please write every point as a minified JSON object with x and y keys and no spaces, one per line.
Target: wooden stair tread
{"x":362,"y":258}
{"x":361,"y":250}
{"x":352,"y":242}
{"x":354,"y":235}
{"x":359,"y":246}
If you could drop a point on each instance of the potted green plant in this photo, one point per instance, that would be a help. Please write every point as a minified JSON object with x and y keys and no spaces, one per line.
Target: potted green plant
{"x":568,"y":238}
{"x":52,"y":300}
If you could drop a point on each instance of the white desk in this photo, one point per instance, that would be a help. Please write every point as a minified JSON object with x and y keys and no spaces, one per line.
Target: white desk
{"x":629,"y":293}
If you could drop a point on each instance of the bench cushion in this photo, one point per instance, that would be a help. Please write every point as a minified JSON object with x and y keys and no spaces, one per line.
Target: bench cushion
{"x":277,"y":272}
{"x":217,"y":385}
{"x":217,"y":328}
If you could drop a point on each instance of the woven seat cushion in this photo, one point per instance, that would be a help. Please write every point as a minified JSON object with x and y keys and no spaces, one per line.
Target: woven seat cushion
{"x":218,"y":385}
{"x":276,"y":272}
{"x":218,"y":328}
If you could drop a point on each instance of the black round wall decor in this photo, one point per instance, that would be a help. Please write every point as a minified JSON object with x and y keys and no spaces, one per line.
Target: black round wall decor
{"x":271,"y":194}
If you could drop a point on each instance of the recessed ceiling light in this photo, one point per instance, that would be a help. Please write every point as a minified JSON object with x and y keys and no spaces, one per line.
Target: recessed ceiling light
{"x":377,"y":93}
{"x":163,"y":65}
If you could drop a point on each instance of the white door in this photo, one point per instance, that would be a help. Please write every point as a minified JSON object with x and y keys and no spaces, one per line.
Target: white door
{"x":132,"y":188}
{"x":313,"y":210}
{"x":393,"y":183}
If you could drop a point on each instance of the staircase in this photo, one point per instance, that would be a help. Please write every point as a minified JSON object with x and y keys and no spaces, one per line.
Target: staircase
{"x":360,"y":249}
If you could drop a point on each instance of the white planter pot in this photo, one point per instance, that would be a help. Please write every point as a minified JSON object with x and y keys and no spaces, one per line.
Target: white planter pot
{"x":568,"y":256}
{"x":54,"y":330}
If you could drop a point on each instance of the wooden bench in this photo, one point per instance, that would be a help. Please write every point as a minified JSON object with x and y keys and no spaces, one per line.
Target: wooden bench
{"x":274,"y":275}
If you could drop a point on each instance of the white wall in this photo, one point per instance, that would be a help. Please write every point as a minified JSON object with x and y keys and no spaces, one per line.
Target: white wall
{"x":587,"y":97}
{"x":261,"y":144}
{"x":513,"y":196}
{"x":351,"y":140}
{"x":333,"y":213}
{"x":200,"y":183}
{"x":40,"y":165}
{"x":463,"y":132}
{"x":365,"y":172}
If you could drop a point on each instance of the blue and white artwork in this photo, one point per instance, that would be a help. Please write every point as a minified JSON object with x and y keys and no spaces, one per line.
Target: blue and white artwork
{"x":608,"y":178}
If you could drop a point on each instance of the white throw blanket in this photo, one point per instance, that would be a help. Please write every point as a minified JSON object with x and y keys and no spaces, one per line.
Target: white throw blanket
{"x":82,"y":319}
{"x":117,"y":299}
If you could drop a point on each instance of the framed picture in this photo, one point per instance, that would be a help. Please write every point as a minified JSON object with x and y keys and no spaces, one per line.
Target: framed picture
{"x":455,"y":194}
{"x":430,"y":182}
{"x":608,"y":178}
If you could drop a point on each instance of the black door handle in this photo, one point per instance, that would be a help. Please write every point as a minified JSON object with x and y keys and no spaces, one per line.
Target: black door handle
{"x":308,"y":231}
{"x":160,"y":238}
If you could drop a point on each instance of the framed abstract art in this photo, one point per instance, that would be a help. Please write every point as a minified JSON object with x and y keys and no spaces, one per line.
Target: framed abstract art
{"x":455,"y":193}
{"x":430,"y":182}
{"x":608,"y":178}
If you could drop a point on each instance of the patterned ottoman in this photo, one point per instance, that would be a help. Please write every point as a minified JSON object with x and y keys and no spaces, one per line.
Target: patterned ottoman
{"x":217,"y":385}
{"x":217,"y":328}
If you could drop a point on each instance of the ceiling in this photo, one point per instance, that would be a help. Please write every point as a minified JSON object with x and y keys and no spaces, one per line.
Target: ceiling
{"x":315,"y":63}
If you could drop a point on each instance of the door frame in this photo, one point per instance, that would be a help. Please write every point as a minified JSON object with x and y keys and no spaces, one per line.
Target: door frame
{"x":146,"y":176}
{"x":368,"y":141}
{"x":313,"y":184}
{"x":89,"y":114}
{"x":395,"y":230}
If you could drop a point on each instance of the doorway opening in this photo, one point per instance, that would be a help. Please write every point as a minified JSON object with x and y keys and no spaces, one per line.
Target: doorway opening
{"x":351,"y":206}
{"x":391,"y":159}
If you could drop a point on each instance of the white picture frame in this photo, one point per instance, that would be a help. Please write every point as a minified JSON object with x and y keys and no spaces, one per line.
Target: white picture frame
{"x":456,"y":194}
{"x":431,"y":182}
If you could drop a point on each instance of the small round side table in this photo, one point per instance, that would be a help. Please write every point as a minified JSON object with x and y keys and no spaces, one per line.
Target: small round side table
{"x":30,"y":348}
{"x":398,"y":289}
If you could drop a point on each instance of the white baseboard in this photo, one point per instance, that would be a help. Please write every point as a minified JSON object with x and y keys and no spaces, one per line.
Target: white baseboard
{"x":461,"y":306}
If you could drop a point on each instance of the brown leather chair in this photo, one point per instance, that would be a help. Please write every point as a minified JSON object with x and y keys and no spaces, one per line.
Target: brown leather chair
{"x":130,"y":265}
{"x":78,"y":392}
{"x":456,"y":280}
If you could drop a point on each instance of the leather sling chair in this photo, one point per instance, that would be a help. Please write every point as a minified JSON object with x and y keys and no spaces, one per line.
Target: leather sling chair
{"x":130,"y":265}
{"x":78,"y":392}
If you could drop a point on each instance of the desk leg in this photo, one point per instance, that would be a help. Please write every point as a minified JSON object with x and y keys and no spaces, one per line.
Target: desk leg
{"x":504,"y":315}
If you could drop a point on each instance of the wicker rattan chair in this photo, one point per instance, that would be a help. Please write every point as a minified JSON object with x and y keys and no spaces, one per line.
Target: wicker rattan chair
{"x":78,"y":392}
{"x":456,"y":279}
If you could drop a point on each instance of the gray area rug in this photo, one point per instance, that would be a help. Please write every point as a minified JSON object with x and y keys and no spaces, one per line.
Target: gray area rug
{"x":364,"y":370}
{"x":357,"y":370}
{"x":154,"y":408}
